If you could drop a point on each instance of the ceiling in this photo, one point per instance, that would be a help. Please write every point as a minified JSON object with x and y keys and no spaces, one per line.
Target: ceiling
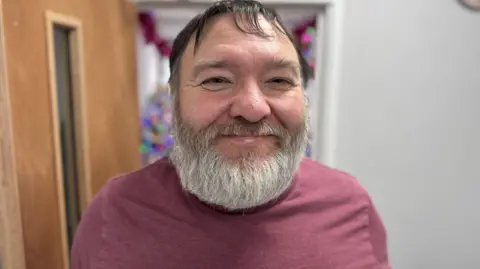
{"x":172,"y":20}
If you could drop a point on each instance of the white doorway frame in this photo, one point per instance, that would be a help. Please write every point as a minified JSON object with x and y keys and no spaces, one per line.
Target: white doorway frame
{"x":327,"y":66}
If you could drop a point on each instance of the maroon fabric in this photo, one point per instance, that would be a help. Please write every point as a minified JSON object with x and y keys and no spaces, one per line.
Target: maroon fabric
{"x":144,"y":220}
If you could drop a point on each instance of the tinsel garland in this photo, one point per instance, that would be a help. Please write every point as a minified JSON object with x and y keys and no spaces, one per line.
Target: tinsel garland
{"x":150,"y":34}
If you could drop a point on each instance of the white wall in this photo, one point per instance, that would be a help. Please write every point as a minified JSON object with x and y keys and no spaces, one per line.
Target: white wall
{"x":409,"y":125}
{"x":172,"y":20}
{"x":152,"y":70}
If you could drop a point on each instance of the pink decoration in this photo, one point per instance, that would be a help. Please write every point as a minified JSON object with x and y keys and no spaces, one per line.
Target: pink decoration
{"x":148,"y":24}
{"x":301,"y":29}
{"x":306,"y":38}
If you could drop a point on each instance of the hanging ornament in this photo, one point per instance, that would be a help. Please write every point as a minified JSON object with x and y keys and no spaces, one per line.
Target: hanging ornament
{"x":310,"y":31}
{"x":148,"y":23}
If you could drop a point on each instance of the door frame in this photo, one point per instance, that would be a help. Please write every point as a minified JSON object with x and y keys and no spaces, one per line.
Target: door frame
{"x":324,"y":102}
{"x":12,"y":251}
{"x":80,"y":121}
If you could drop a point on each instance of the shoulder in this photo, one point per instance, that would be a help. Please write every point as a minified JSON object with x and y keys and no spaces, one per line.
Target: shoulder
{"x":327,"y":182}
{"x":142,"y":182}
{"x":328,"y":186}
{"x":142,"y":185}
{"x":153,"y":186}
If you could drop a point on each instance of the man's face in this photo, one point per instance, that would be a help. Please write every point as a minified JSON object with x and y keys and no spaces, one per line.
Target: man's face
{"x":239,"y":123}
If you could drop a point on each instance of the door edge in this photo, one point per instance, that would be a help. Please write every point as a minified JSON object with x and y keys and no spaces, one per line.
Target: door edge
{"x":12,"y":249}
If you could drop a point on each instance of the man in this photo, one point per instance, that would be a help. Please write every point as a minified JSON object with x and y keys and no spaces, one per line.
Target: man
{"x":235,"y":192}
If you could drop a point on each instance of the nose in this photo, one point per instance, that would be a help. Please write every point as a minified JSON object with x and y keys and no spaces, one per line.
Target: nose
{"x":250,"y":104}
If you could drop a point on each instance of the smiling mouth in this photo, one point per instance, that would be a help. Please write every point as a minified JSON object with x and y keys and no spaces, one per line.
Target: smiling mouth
{"x":247,"y":139}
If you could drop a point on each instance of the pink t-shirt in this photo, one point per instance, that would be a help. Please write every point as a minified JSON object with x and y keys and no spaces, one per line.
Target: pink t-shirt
{"x":144,"y":220}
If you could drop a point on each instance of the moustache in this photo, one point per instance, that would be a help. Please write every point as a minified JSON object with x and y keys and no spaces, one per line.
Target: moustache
{"x":257,"y":129}
{"x":214,"y":132}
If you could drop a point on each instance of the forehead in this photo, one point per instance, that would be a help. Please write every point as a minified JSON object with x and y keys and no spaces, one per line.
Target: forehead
{"x":223,"y":40}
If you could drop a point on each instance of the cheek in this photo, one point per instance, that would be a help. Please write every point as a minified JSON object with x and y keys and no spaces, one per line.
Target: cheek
{"x":199,"y":110}
{"x":290,"y":111}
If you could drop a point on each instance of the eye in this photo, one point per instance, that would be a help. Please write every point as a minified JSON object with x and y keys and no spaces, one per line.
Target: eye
{"x":282,"y":84}
{"x":281,"y":81}
{"x":215,"y":80}
{"x":215,"y":84}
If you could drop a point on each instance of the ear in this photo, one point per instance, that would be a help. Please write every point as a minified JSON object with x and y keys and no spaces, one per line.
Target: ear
{"x":169,"y":89}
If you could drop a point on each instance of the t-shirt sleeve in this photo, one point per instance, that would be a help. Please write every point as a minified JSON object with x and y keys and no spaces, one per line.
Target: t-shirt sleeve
{"x":378,"y":237}
{"x":88,"y":237}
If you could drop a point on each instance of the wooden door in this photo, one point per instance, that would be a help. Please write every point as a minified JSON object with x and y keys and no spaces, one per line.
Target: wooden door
{"x":68,"y":120}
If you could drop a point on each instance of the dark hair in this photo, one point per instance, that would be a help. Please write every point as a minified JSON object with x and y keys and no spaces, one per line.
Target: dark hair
{"x":247,"y":12}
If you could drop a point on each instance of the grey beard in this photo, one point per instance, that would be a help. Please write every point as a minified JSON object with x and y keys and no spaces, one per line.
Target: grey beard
{"x":234,"y":185}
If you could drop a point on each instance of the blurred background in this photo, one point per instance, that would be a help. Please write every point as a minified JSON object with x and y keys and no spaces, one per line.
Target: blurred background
{"x":394,"y":102}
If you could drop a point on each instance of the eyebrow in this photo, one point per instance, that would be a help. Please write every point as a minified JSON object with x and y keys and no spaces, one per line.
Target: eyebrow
{"x":284,"y":64}
{"x":270,"y":64}
{"x":205,"y":65}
